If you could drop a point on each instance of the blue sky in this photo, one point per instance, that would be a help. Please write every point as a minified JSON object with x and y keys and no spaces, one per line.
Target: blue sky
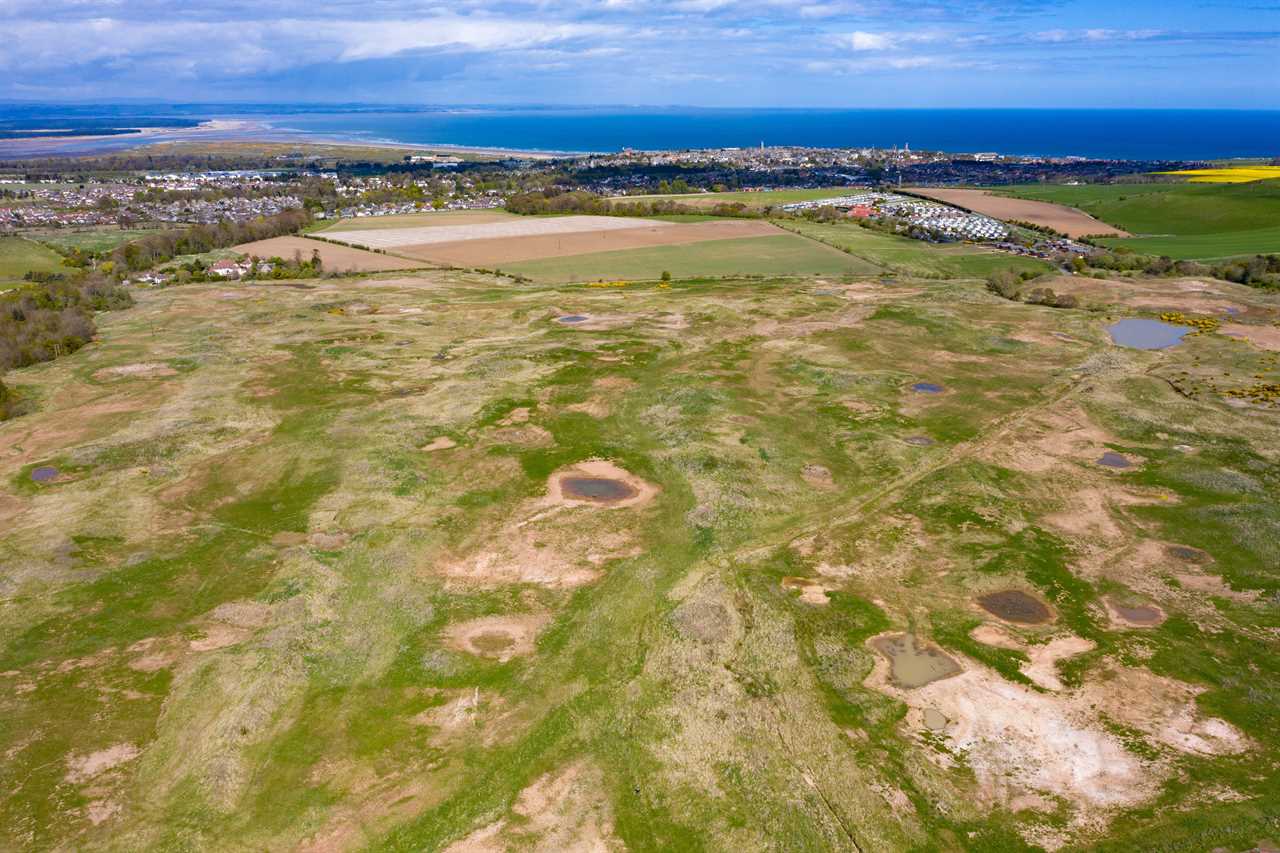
{"x":854,"y":53}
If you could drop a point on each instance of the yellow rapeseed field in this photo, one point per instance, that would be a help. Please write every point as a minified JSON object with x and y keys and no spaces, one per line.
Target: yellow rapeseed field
{"x":1233,"y":175}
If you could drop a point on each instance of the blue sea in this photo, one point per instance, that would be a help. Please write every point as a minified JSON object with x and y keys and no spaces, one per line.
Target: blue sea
{"x":1108,"y":134}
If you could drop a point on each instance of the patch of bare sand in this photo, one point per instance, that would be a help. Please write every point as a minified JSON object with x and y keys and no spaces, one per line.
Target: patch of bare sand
{"x":559,"y":485}
{"x":1090,"y":512}
{"x":596,"y":407}
{"x":818,"y":476}
{"x":143,"y":369}
{"x":562,"y":812}
{"x":440,"y":442}
{"x":82,"y":768}
{"x":1055,"y":437}
{"x":523,"y":559}
{"x":99,"y":812}
{"x":811,"y":591}
{"x":1263,"y":337}
{"x":458,"y":713}
{"x":1043,"y":667}
{"x":614,"y":383}
{"x":1164,"y":709}
{"x":1026,"y":748}
{"x":498,"y":637}
{"x":218,"y":636}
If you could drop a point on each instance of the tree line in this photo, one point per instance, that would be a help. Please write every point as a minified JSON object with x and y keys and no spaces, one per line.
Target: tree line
{"x":146,"y":252}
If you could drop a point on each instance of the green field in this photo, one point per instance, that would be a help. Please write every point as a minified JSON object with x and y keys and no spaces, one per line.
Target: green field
{"x":755,"y":199}
{"x":1192,"y":221}
{"x":784,"y":254}
{"x":413,"y":220}
{"x":913,"y":257}
{"x":19,"y":256}
{"x":95,"y":240}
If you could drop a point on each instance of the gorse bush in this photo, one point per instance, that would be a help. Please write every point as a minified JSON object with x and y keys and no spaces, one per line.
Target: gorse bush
{"x":41,"y":323}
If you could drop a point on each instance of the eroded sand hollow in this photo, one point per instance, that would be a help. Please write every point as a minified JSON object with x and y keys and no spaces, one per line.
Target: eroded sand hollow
{"x":599,"y":483}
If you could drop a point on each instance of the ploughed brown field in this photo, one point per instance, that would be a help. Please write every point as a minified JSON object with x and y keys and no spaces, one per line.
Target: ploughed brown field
{"x":488,"y":252}
{"x":335,"y":258}
{"x":1068,"y":220}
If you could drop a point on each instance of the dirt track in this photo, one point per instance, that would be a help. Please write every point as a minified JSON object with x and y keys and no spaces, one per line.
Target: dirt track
{"x":490,"y":252}
{"x":1068,"y":220}
{"x":335,"y":258}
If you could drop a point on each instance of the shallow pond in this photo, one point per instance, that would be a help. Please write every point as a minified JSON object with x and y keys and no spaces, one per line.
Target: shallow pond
{"x":934,"y":720}
{"x":914,"y":666}
{"x":572,"y":318}
{"x":1014,"y":605}
{"x":919,"y":440}
{"x":1111,"y":459}
{"x":1147,"y":334}
{"x":927,"y":388}
{"x":599,"y":489}
{"x":44,"y":473}
{"x":1138,"y":614}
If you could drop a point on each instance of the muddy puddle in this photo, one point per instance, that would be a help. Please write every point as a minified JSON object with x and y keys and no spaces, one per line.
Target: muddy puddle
{"x":1147,"y":334}
{"x":1014,"y":605}
{"x":919,"y":441}
{"x":934,"y":720}
{"x":914,"y":666}
{"x":1111,"y":459}
{"x":597,"y":489}
{"x":570,"y":319}
{"x":1141,"y":615}
{"x":44,"y":474}
{"x":1187,"y":554}
{"x":927,"y":388}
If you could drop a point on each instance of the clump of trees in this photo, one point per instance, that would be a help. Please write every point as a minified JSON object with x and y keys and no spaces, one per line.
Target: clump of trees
{"x":53,"y":319}
{"x":6,"y":401}
{"x":1008,"y":284}
{"x":1259,"y":271}
{"x":146,"y":252}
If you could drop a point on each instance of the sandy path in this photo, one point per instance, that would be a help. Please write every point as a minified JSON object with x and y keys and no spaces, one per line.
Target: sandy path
{"x":387,"y":238}
{"x":491,"y":252}
{"x":1068,"y":220}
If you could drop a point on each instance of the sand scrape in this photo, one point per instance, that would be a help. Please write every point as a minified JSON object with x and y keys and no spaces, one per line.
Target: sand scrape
{"x":564,"y":811}
{"x":499,"y":637}
{"x":1025,"y":747}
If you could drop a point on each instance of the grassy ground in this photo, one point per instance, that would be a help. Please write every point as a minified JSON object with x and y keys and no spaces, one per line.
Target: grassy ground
{"x":19,"y":256}
{"x":1216,"y":220}
{"x":770,"y":256}
{"x":229,"y":621}
{"x":913,"y":257}
{"x":754,"y":199}
{"x":96,"y":240}
{"x":414,"y":220}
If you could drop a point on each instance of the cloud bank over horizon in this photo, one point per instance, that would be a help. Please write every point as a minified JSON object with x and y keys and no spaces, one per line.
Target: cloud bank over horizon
{"x":648,"y":52}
